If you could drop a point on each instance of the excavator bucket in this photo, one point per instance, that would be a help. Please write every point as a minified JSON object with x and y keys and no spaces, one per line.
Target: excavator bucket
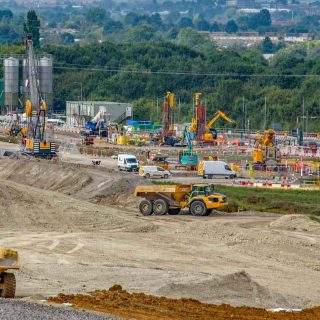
{"x":9,"y":259}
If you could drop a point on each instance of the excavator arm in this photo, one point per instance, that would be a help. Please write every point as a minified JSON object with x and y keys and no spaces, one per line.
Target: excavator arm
{"x":219,"y":114}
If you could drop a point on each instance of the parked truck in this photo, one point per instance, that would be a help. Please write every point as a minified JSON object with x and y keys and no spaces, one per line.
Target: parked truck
{"x":8,"y":261}
{"x":210,"y":169}
{"x":200,"y":199}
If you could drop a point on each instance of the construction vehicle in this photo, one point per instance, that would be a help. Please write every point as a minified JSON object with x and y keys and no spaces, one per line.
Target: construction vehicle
{"x":158,"y":159}
{"x":200,"y":199}
{"x":266,"y":151}
{"x":168,"y":130}
{"x":9,"y":260}
{"x":187,"y":158}
{"x":15,"y":130}
{"x":210,"y":134}
{"x":96,"y":127}
{"x":37,"y":143}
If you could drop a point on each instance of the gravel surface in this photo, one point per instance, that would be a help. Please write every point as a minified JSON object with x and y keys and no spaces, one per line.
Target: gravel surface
{"x":20,"y":310}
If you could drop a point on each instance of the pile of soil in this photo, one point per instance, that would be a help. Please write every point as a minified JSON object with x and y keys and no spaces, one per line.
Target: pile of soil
{"x":296,"y":222}
{"x":99,"y":185}
{"x":146,"y":307}
{"x":29,"y":208}
{"x":237,"y":289}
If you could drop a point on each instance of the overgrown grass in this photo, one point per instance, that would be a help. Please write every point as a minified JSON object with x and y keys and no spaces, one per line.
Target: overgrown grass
{"x":268,"y":200}
{"x":272,"y":200}
{"x":14,"y":140}
{"x":314,"y":218}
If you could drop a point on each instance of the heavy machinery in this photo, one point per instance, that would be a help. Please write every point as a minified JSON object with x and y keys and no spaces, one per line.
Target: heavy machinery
{"x":9,"y":260}
{"x":200,"y":199}
{"x":157,"y":159}
{"x":168,"y":131}
{"x":199,"y":121}
{"x":37,"y":143}
{"x":210,"y":134}
{"x":266,"y":151}
{"x":15,"y":130}
{"x":96,"y":127}
{"x":187,"y":158}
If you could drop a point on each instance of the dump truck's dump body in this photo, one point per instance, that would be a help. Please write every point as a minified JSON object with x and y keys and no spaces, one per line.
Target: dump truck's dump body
{"x":8,"y":259}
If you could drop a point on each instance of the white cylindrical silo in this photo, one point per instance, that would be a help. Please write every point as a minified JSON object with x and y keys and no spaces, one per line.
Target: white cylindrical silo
{"x":11,"y":83}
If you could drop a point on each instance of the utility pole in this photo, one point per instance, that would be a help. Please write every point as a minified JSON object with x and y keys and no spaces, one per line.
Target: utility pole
{"x":265,"y":113}
{"x":307,"y":115}
{"x":157,"y":109}
{"x":303,"y":121}
{"x":244,"y":119}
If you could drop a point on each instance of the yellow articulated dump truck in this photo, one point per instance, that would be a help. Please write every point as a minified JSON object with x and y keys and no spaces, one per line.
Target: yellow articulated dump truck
{"x":9,"y":260}
{"x":200,"y":199}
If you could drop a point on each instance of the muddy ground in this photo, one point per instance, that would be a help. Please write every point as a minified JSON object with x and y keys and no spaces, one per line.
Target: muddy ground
{"x":77,"y":229}
{"x":145,"y":307}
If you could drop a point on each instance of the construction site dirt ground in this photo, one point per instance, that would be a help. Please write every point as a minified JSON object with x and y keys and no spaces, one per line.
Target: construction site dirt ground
{"x":77,"y":229}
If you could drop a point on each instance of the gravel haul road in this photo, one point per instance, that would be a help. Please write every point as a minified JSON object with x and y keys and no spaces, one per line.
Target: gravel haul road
{"x":20,"y":310}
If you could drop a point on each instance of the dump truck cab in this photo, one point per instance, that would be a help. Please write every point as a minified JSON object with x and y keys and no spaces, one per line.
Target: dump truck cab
{"x":200,"y":199}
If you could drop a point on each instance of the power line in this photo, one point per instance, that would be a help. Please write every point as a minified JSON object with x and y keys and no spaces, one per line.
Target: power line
{"x":209,"y":74}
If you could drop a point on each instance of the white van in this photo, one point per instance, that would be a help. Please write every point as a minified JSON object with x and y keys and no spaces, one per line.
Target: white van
{"x":216,"y":168}
{"x":127,"y":162}
{"x":154,"y":172}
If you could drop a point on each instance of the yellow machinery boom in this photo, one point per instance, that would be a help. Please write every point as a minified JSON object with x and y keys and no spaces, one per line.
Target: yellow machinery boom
{"x":9,"y":260}
{"x":200,"y":199}
{"x":209,"y":136}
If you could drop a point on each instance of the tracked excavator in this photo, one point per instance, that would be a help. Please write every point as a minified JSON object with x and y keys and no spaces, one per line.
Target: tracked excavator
{"x":38,"y":142}
{"x":211,"y":134}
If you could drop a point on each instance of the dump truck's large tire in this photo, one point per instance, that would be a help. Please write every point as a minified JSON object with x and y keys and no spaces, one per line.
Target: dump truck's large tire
{"x":174,"y":211}
{"x":160,"y":207}
{"x":9,"y":285}
{"x":198,"y":208}
{"x":145,"y":207}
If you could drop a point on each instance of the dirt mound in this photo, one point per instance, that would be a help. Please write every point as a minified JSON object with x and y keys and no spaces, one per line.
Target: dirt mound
{"x":296,"y":222}
{"x":236,"y":289}
{"x":29,"y":208}
{"x":100,"y":185}
{"x":146,"y":307}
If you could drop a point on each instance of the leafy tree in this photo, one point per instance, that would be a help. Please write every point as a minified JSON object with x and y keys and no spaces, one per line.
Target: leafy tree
{"x":96,"y":15}
{"x":267,"y":45}
{"x":185,"y":23}
{"x":67,"y":39}
{"x":32,"y":26}
{"x":214,"y":27}
{"x":264,"y":18}
{"x":156,"y":21}
{"x":131,"y":19}
{"x":202,"y":25}
{"x":141,"y":33}
{"x":112,"y":26}
{"x":7,"y":14}
{"x":231,"y":27}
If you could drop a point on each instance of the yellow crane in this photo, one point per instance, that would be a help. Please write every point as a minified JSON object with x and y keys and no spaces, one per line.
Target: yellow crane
{"x":211,"y":134}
